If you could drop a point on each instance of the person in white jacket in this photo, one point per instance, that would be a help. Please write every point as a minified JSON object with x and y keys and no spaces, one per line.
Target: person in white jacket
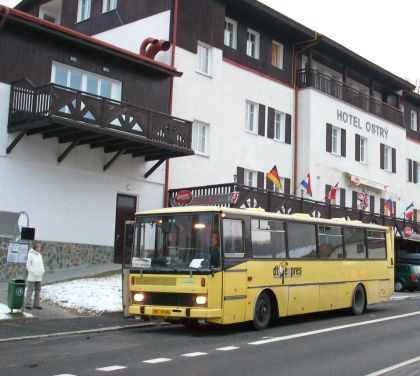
{"x":35,"y":268}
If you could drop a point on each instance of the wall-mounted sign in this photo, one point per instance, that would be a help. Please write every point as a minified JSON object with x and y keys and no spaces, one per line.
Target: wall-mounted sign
{"x":408,"y":231}
{"x":350,"y":119}
{"x":185,"y":197}
{"x":17,"y":253}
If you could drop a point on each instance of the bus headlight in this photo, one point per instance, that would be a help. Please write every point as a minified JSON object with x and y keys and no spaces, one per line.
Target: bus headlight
{"x":138,"y":297}
{"x":201,"y":300}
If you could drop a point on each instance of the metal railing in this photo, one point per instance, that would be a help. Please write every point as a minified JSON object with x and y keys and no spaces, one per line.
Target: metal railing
{"x":344,"y":92}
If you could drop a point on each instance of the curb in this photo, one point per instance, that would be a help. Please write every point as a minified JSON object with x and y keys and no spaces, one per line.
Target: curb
{"x":86,"y":331}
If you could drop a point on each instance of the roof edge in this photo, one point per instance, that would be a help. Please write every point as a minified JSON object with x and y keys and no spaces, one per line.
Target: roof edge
{"x":21,"y":16}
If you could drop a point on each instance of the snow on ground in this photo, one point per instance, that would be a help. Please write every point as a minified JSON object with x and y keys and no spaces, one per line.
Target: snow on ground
{"x":95,"y":295}
{"x":86,"y":295}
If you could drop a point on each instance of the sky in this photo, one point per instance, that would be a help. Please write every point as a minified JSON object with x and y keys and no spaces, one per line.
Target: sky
{"x":382,"y":31}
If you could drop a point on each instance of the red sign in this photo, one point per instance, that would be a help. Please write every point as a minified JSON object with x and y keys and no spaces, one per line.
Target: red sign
{"x":408,"y":231}
{"x":184,"y":197}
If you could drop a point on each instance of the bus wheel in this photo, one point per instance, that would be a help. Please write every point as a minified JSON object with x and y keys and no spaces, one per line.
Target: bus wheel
{"x":358,"y":304}
{"x":262,"y":311}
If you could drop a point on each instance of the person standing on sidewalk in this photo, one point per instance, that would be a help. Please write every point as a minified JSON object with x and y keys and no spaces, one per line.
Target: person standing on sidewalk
{"x":35,"y":268}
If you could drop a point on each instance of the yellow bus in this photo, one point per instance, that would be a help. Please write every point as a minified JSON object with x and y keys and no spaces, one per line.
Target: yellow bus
{"x":222,"y":265}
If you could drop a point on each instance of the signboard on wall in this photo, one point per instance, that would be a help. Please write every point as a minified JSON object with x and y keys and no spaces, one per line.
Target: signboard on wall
{"x":185,"y":197}
{"x":17,"y":252}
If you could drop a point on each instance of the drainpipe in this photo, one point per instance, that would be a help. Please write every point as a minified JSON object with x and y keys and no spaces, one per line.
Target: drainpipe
{"x":6,"y":11}
{"x":174,"y":29}
{"x":146,"y":43}
{"x":307,"y":44}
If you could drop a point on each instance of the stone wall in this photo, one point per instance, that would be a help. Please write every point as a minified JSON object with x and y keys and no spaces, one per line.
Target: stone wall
{"x":58,"y":256}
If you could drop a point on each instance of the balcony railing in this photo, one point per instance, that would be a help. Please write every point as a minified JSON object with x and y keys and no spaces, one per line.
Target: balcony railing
{"x":30,"y":106}
{"x":339,"y":90}
{"x":250,"y":197}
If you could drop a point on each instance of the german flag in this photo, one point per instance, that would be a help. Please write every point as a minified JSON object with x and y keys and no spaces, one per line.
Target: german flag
{"x":273,"y":175}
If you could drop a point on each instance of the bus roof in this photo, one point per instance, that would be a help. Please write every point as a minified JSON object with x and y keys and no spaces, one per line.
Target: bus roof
{"x":261,"y":213}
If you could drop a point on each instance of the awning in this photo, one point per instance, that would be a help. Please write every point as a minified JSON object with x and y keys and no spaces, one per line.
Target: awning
{"x":362,"y":181}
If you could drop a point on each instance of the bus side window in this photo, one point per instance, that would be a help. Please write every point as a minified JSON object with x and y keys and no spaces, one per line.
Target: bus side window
{"x":233,"y":233}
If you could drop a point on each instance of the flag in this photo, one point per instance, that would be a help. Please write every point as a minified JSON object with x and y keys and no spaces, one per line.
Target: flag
{"x":409,"y":211}
{"x":273,"y":175}
{"x":389,"y":205}
{"x":306,"y":183}
{"x":363,"y":198}
{"x":332,"y":193}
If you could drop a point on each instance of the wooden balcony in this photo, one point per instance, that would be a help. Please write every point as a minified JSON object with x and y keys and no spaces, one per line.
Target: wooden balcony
{"x":80,"y":118}
{"x":339,"y":90}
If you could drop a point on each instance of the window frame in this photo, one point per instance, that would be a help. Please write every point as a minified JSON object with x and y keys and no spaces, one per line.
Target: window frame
{"x":84,"y":9}
{"x":109,"y":5}
{"x":279,"y":56}
{"x":116,"y":86}
{"x":233,"y":255}
{"x":253,"y":46}
{"x":413,"y":120}
{"x":363,"y":156}
{"x":337,"y":138}
{"x":279,"y":126}
{"x":233,"y":34}
{"x":274,"y":251}
{"x":204,"y":66}
{"x":251,"y":178}
{"x":196,"y":133}
{"x":251,"y":125}
{"x":388,"y":158}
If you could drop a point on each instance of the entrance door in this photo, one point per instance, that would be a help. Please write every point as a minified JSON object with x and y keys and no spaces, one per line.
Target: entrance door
{"x":235,"y":272}
{"x":126,"y":209}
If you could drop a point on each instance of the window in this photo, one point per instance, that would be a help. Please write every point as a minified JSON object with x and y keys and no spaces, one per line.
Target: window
{"x":376,"y":245}
{"x":413,"y":120}
{"x":279,"y":126}
{"x":277,"y":55}
{"x":387,"y":158}
{"x":200,"y":137}
{"x":109,"y":5}
{"x":83,"y":10}
{"x":251,"y":178}
{"x":233,"y":244}
{"x":336,"y":140}
{"x":268,"y":239}
{"x":253,"y":44}
{"x":330,"y":242}
{"x":301,"y":246}
{"x":251,"y":124}
{"x":417,"y":176}
{"x":354,"y":240}
{"x":231,"y":31}
{"x":363,"y":150}
{"x":85,"y":81}
{"x":204,"y":59}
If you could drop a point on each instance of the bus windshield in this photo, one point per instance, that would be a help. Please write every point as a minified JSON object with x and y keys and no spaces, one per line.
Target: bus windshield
{"x":176,"y":242}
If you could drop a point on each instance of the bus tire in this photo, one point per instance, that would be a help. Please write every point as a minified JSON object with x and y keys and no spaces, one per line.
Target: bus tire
{"x":358,"y":302}
{"x":262,"y":311}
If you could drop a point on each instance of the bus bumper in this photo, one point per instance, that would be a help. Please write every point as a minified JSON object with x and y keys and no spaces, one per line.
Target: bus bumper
{"x":175,"y":312}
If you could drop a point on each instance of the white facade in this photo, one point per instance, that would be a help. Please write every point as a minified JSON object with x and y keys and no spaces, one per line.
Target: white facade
{"x":315,"y":111}
{"x":216,"y":98}
{"x":73,"y":201}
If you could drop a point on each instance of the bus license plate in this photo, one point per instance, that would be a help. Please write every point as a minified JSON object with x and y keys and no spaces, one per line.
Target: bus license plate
{"x":161,"y":311}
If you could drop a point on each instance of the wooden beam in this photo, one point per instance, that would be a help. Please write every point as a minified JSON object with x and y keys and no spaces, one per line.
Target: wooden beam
{"x":154,"y":167}
{"x":67,"y":151}
{"x":113,"y":159}
{"x":15,"y":141}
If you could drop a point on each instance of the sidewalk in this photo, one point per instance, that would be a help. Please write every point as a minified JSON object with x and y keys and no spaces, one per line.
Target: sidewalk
{"x":53,"y":312}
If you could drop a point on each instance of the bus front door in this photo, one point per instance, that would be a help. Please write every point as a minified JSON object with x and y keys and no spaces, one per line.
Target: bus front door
{"x":234,"y":294}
